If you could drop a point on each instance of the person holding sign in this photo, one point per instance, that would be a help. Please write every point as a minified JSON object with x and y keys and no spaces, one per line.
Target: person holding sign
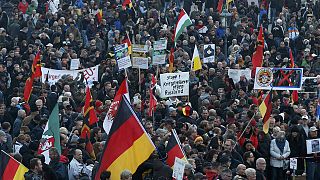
{"x":313,"y":163}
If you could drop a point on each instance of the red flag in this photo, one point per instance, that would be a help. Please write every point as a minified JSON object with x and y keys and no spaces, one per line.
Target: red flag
{"x":99,"y":16}
{"x":152,"y":102}
{"x":35,"y":72}
{"x":291,"y":59}
{"x":257,"y":56}
{"x":220,"y":6}
{"x":127,"y":2}
{"x":123,"y":90}
{"x":153,"y":81}
{"x":171,"y":59}
{"x":28,"y":89}
{"x":294,"y":96}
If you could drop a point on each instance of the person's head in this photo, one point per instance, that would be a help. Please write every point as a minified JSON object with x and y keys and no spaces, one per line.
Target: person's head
{"x":313,"y":132}
{"x":39,"y":104}
{"x":78,"y":155}
{"x":22,"y":113}
{"x":261,"y":164}
{"x":240,"y":169}
{"x":3,"y":137}
{"x":36,"y":165}
{"x":226,"y":174}
{"x":281,"y":135}
{"x":54,"y":154}
{"x":228,"y":145}
{"x":251,"y":174}
{"x":126,"y":175}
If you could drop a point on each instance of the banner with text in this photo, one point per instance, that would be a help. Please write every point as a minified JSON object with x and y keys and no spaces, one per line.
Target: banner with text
{"x":139,"y":56}
{"x":235,"y":74}
{"x":159,"y":52}
{"x":121,"y":54}
{"x":174,"y":84}
{"x":278,"y":78}
{"x":53,"y":75}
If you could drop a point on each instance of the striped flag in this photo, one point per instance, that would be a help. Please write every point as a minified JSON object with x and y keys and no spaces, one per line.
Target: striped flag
{"x":196,"y":63}
{"x":220,"y":6}
{"x":35,"y":72}
{"x":265,"y":109}
{"x":183,"y":22}
{"x":127,"y":41}
{"x":90,"y":118}
{"x":127,"y":2}
{"x":174,"y":149}
{"x":99,"y":15}
{"x":128,"y":144}
{"x":123,"y":90}
{"x":11,"y":168}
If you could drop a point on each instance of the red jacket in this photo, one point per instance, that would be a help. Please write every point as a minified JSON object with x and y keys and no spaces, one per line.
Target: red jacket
{"x":23,"y":7}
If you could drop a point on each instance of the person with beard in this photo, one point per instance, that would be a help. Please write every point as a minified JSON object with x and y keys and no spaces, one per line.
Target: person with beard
{"x":35,"y":171}
{"x":60,"y":170}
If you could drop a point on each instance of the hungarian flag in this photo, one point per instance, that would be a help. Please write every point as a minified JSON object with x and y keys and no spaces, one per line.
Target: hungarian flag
{"x":127,"y":41}
{"x":183,"y":22}
{"x":51,"y":135}
{"x":171,"y":60}
{"x":265,"y":109}
{"x":11,"y":168}
{"x":35,"y":72}
{"x":128,"y":144}
{"x":99,"y":16}
{"x":196,"y":63}
{"x":90,"y":118}
{"x":127,"y":2}
{"x":123,"y":90}
{"x":257,"y":57}
{"x":174,"y":149}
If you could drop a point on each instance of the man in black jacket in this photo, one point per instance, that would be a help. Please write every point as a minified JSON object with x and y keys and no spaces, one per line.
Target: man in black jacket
{"x":261,"y":167}
{"x":59,"y":168}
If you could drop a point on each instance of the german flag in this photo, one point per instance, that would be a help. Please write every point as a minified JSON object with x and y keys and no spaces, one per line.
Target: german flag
{"x":265,"y":109}
{"x":90,"y":118}
{"x":11,"y":168}
{"x":126,"y":40}
{"x":257,"y":57}
{"x":174,"y":149}
{"x":35,"y":72}
{"x":128,"y":144}
{"x":99,"y":16}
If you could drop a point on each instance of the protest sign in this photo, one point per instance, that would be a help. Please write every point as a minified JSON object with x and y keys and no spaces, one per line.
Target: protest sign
{"x":235,"y":74}
{"x":159,"y":52}
{"x":53,"y":75}
{"x":209,"y":53}
{"x":174,"y":84}
{"x":313,"y":146}
{"x":74,"y":64}
{"x":139,"y":56}
{"x":278,"y":78}
{"x":293,"y":163}
{"x":178,"y":168}
{"x":122,"y":56}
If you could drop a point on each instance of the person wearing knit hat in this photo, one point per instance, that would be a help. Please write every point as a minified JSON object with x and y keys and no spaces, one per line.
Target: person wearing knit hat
{"x":198,"y":140}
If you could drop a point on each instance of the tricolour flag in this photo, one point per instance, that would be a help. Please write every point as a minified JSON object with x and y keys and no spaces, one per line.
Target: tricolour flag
{"x":126,"y":40}
{"x":196,"y":63}
{"x":128,"y":144}
{"x":257,"y":57}
{"x":123,"y":90}
{"x":127,"y":2}
{"x":183,"y":22}
{"x":10,"y":168}
{"x":174,"y":149}
{"x":99,"y":15}
{"x":35,"y":72}
{"x":265,"y":109}
{"x":51,"y":135}
{"x":90,"y":118}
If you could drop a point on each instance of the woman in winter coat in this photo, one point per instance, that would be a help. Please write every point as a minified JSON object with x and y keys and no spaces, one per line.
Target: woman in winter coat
{"x":279,"y":151}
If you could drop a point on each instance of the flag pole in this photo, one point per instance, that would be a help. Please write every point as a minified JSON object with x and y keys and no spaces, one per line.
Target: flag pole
{"x":139,"y":71}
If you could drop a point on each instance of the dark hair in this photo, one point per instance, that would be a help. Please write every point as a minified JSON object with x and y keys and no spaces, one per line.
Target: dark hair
{"x":34,"y":162}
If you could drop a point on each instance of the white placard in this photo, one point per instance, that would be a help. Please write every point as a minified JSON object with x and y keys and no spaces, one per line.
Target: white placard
{"x":313,"y":146}
{"x":159,"y":52}
{"x":74,"y":64}
{"x":174,"y":84}
{"x":293,"y":163}
{"x":53,"y":75}
{"x":235,"y":74}
{"x":140,"y":62}
{"x":209,"y":51}
{"x":178,"y":168}
{"x":122,"y":56}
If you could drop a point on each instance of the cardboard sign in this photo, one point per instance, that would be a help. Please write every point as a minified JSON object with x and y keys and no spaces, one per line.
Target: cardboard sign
{"x":174,"y":84}
{"x":74,"y":64}
{"x":139,"y":56}
{"x":293,"y":163}
{"x":159,"y":52}
{"x":53,"y":75}
{"x":122,"y":56}
{"x":236,"y":73}
{"x":178,"y":168}
{"x":209,"y":51}
{"x":313,"y":146}
{"x":278,"y":78}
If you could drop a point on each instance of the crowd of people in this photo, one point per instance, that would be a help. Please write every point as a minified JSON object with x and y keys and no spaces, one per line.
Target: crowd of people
{"x":222,"y":137}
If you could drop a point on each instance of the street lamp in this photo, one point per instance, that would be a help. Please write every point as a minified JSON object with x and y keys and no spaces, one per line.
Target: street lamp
{"x":225,"y":22}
